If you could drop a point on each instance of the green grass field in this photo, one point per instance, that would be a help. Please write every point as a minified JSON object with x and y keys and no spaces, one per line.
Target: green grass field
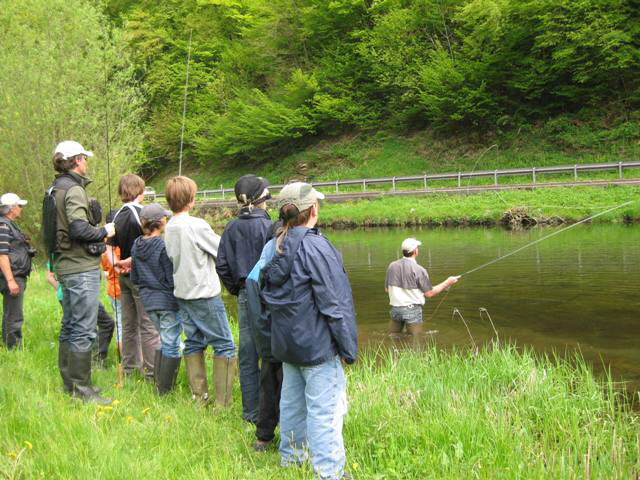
{"x":562,"y":204}
{"x":496,"y":414}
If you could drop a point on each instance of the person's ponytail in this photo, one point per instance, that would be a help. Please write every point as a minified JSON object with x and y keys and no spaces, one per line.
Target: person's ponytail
{"x":291,"y":217}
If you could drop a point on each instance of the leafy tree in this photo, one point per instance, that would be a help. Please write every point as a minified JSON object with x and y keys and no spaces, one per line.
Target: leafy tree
{"x":65,"y":75}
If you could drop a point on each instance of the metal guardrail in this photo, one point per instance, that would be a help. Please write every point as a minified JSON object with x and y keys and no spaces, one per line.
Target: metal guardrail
{"x":534,"y":172}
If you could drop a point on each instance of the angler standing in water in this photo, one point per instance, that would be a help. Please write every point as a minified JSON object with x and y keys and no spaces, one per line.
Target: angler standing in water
{"x":407,"y":284}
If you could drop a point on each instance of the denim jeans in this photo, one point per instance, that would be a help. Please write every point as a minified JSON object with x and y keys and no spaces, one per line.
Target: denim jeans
{"x":117,"y":314}
{"x":312,"y":407}
{"x":79,"y":309}
{"x":205,"y":322}
{"x":168,"y":324}
{"x":12,"y":316}
{"x":248,"y":361}
{"x":409,"y":314}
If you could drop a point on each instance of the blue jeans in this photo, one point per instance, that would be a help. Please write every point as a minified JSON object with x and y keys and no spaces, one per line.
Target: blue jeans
{"x":117,"y":313}
{"x":168,"y":324}
{"x":248,"y":361}
{"x":312,"y":407}
{"x":205,"y":322}
{"x":79,"y":309}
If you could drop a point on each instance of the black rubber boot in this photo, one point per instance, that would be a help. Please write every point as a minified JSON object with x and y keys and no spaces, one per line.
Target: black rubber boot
{"x":80,"y":375}
{"x":63,"y":365}
{"x":157,"y":365}
{"x":167,"y":373}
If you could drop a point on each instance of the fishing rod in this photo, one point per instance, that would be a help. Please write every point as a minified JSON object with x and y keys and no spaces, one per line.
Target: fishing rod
{"x":558,"y":232}
{"x":184,"y":104}
{"x":120,"y":368}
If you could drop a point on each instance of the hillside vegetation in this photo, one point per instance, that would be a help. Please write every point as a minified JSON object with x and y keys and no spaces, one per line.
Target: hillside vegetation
{"x":268,"y":79}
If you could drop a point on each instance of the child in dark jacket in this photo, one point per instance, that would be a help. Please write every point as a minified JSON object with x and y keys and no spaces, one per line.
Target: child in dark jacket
{"x":152,"y":272}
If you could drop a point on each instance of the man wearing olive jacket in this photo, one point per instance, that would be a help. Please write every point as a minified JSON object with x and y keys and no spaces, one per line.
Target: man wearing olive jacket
{"x":76,"y":263}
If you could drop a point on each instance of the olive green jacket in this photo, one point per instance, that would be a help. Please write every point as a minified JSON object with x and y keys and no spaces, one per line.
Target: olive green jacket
{"x":71,"y":256}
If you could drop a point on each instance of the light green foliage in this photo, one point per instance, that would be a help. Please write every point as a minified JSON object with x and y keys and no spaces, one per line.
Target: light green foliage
{"x":500,"y":413}
{"x":63,"y":72}
{"x":489,"y":66}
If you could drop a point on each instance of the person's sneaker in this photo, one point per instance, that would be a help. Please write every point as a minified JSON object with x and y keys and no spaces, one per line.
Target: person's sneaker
{"x":261,"y":445}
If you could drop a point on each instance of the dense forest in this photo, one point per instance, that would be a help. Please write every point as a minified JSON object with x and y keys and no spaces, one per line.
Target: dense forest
{"x":267,"y":78}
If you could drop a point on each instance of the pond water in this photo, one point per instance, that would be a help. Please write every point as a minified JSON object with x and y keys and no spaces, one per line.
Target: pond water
{"x":579,"y":290}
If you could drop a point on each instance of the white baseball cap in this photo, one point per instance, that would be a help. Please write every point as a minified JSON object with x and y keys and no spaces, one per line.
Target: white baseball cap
{"x":410,"y":244}
{"x":69,"y":149}
{"x":11,"y":199}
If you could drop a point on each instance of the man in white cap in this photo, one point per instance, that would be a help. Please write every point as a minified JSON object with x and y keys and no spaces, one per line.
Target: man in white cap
{"x":15,"y":266}
{"x":407,"y":284}
{"x":79,"y":243}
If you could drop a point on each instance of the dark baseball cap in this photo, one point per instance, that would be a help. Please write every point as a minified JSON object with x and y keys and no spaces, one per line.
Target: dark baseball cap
{"x":250,"y":188}
{"x":154,"y":212}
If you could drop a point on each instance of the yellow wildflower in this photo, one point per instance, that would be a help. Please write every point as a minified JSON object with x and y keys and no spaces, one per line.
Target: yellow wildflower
{"x":146,"y":410}
{"x":28,"y":444}
{"x":12,"y":455}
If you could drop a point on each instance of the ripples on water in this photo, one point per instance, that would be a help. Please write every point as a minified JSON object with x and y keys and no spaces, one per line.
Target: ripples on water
{"x":580,"y":289}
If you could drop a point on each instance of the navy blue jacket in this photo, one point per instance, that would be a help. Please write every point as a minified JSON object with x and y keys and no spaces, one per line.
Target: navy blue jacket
{"x":309,"y":296}
{"x":152,"y":272}
{"x":240,"y":246}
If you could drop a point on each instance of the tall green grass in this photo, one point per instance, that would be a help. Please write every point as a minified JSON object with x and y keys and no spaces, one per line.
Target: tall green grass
{"x":498,"y":413}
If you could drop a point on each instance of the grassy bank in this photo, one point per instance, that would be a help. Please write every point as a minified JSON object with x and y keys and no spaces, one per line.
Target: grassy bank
{"x":495,"y":414}
{"x":545,"y":206}
{"x":388,"y":154}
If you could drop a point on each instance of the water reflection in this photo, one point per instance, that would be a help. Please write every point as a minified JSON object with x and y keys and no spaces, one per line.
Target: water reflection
{"x":579,"y":290}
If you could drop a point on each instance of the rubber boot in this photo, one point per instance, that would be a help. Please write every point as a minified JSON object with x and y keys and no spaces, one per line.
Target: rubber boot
{"x":157,"y":362}
{"x":414,"y":329}
{"x":63,"y":366}
{"x":80,"y":375}
{"x":197,"y":374}
{"x":166,"y":374}
{"x":224,"y":372}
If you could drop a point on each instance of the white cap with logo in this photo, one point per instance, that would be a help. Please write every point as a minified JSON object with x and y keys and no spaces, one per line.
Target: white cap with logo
{"x":11,"y":200}
{"x":410,"y":244}
{"x":69,"y":149}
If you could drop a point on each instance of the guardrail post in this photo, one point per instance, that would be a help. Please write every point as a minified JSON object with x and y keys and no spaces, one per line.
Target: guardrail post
{"x":459,"y":179}
{"x":337,"y":191}
{"x":620,"y":169}
{"x":533,"y":173}
{"x":425,"y":182}
{"x":364,"y":185}
{"x":393,"y":181}
{"x":222,"y":190}
{"x":495,"y":177}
